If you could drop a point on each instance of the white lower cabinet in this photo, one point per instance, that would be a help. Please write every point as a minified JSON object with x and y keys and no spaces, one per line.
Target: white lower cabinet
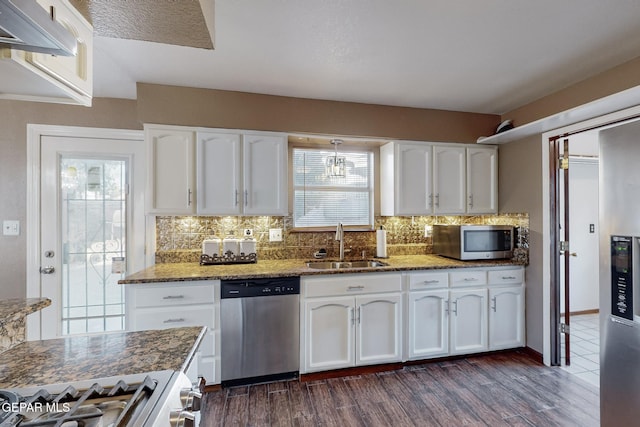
{"x":348,"y":330}
{"x":180,"y":304}
{"x":468,"y":324}
{"x":506,"y":317}
{"x":464,"y":311}
{"x":428,"y":324}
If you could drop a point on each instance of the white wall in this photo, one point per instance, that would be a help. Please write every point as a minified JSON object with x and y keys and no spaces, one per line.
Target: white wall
{"x":583,"y":213}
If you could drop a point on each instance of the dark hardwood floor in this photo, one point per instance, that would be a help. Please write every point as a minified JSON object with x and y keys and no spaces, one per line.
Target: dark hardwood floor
{"x":505,"y":389}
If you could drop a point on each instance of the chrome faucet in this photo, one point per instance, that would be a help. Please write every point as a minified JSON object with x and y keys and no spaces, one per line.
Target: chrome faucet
{"x":340,"y":238}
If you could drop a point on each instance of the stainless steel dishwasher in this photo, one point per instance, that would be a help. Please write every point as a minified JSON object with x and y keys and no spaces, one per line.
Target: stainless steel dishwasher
{"x":259,"y":330}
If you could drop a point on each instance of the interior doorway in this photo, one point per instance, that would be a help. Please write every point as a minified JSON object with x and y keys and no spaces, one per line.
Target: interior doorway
{"x":581,"y":301}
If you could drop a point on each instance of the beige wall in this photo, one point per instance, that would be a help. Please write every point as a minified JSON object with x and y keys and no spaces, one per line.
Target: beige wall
{"x":520,"y":185}
{"x":198,"y":107}
{"x":238,"y":110}
{"x":615,"y":80}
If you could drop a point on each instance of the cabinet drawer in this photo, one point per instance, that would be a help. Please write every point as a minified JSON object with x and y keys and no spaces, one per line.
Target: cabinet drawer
{"x":428,"y":280}
{"x":163,"y":318}
{"x":499,"y":277}
{"x":172,"y":295}
{"x":351,"y":284}
{"x":468,"y":278}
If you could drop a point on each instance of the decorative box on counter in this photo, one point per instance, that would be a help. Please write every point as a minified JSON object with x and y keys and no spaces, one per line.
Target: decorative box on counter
{"x":234,"y":251}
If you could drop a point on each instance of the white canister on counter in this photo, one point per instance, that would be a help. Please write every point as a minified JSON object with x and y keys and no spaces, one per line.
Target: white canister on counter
{"x":248,"y":246}
{"x":230,"y":244}
{"x":211,"y":246}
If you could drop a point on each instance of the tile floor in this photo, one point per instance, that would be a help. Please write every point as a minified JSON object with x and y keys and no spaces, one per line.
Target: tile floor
{"x":585,"y":348}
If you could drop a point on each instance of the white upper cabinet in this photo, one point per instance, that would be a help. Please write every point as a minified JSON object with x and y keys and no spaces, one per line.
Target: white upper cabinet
{"x":215,"y":172}
{"x":265,"y":174}
{"x":219,"y":173}
{"x":482,"y":180}
{"x":448,"y":179}
{"x":241,"y":173}
{"x":421,"y":178}
{"x":171,"y":172}
{"x":406,"y":186}
{"x":31,"y":76}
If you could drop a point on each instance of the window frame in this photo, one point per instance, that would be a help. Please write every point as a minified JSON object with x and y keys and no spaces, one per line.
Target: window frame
{"x":371,"y":189}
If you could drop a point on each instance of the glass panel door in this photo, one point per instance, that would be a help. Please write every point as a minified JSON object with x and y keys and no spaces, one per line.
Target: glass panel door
{"x":93,"y":236}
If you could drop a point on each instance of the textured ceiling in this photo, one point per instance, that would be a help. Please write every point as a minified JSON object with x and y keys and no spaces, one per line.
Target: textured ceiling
{"x":176,"y":22}
{"x":487,"y":56}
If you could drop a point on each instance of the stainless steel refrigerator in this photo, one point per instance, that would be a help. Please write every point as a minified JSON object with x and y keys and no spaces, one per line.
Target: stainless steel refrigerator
{"x":620,"y":275}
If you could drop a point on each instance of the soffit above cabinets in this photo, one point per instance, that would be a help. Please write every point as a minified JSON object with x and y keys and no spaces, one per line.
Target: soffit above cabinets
{"x":177,"y":22}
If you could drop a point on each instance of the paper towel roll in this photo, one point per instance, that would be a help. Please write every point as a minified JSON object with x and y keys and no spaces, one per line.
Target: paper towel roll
{"x":381,"y":243}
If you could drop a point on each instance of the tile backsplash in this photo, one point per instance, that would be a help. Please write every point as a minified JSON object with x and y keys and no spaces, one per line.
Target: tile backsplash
{"x":179,"y":238}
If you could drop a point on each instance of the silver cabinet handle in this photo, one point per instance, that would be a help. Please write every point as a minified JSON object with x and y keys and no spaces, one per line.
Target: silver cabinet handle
{"x":359,"y":313}
{"x":353,"y":320}
{"x":236,"y":197}
{"x":470,"y":200}
{"x":438,"y":200}
{"x":189,"y":197}
{"x":495,"y":303}
{"x":246,"y":197}
{"x":455,"y":307}
{"x":430,"y":201}
{"x":508,"y":278}
{"x":355,"y":288}
{"x":49,"y":269}
{"x":173,"y":297}
{"x":470,"y":279}
{"x":428,"y":282}
{"x":446,"y":307}
{"x":179,"y":320}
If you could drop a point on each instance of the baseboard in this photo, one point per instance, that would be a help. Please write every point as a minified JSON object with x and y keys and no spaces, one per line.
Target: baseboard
{"x":578,"y":313}
{"x":535,"y":355}
{"x":372,"y":369}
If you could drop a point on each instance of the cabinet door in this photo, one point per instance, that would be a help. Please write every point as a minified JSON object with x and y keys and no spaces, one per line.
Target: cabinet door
{"x":482,"y":180}
{"x":468,"y":319}
{"x":329,"y":337}
{"x":506,"y":317}
{"x":76,"y":71}
{"x":218,"y":171}
{"x":428,"y":324}
{"x":449,"y":179}
{"x":414,"y":195}
{"x":378,"y":329}
{"x":265,"y":172}
{"x":171,"y":172}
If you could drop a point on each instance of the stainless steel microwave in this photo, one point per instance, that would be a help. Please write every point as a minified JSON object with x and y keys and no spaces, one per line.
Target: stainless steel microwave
{"x":469,"y":242}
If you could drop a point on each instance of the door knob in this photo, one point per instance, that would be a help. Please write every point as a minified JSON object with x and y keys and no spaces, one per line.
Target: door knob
{"x":48,"y":269}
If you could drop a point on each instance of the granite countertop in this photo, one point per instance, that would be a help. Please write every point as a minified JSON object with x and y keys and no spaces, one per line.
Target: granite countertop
{"x":12,"y":309}
{"x":63,"y":360}
{"x":294,"y":267}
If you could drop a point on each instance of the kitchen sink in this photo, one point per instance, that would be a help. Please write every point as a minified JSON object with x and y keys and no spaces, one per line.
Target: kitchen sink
{"x":334,"y":265}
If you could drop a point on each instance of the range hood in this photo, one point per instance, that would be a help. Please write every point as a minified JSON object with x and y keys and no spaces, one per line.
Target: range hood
{"x":25,"y":25}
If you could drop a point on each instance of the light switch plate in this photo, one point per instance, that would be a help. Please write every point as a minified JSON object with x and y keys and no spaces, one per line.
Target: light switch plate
{"x":427,"y":230}
{"x":11,"y":228}
{"x":275,"y":234}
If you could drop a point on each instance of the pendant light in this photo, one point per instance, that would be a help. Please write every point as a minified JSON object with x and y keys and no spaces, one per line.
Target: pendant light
{"x":335,"y":165}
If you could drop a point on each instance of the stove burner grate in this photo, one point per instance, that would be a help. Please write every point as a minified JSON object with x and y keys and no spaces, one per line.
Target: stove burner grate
{"x":77,"y":407}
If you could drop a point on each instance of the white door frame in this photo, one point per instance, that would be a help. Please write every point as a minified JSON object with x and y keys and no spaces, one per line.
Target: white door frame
{"x":34,"y":134}
{"x":546,"y":218}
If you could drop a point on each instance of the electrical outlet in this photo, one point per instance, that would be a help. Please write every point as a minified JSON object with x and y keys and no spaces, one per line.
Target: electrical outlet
{"x":275,"y":234}
{"x":11,"y":228}
{"x":427,"y":230}
{"x":248,"y":232}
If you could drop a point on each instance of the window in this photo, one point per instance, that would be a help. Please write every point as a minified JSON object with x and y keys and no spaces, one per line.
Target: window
{"x":323,"y":200}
